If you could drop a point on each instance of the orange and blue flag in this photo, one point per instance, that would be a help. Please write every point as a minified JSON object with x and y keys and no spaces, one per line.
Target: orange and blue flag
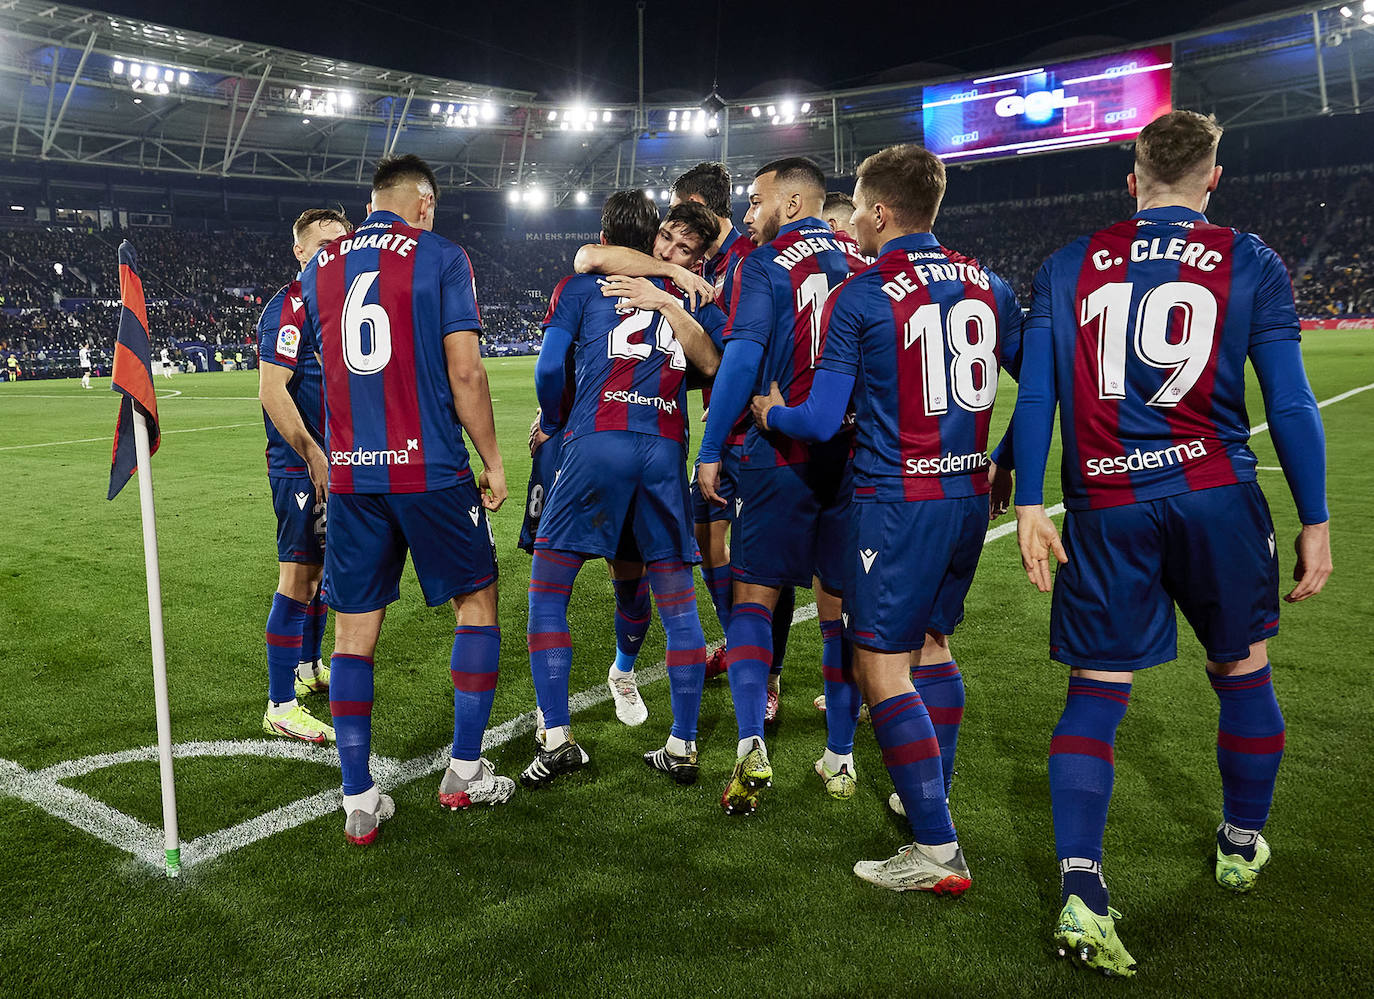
{"x":132,"y":374}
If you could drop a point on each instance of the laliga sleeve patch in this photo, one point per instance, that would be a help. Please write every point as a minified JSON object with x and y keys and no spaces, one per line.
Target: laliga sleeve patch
{"x":288,"y":341}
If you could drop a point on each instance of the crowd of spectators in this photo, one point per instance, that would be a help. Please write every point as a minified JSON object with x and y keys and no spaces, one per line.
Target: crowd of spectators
{"x":59,"y":285}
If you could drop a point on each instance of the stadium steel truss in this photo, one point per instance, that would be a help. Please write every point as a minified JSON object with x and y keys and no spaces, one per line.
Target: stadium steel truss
{"x":82,"y":87}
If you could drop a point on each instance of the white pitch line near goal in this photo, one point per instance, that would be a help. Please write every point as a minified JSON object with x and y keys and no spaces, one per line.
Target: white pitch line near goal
{"x":44,"y":789}
{"x":110,"y":437}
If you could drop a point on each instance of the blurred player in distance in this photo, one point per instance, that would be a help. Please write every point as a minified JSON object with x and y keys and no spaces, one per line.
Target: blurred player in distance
{"x":291,"y":390}
{"x":621,"y":490}
{"x":83,"y":357}
{"x":708,"y":184}
{"x":393,"y":311}
{"x":1139,"y":333}
{"x":920,"y":509}
{"x":790,"y":507}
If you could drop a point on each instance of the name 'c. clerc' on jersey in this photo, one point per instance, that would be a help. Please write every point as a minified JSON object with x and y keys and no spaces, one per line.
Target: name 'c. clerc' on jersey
{"x":924,"y":332}
{"x":379,"y":304}
{"x":630,"y":369}
{"x":1152,"y":321}
{"x":281,"y":342}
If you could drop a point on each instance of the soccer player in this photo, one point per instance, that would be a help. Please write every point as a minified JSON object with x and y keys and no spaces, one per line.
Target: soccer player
{"x":83,"y":357}
{"x":394,"y":313}
{"x":621,"y":484}
{"x":1140,"y":333}
{"x":839,"y":215}
{"x":789,"y":511}
{"x":708,"y":184}
{"x":291,"y":389}
{"x":166,"y":363}
{"x":918,"y":340}
{"x":682,"y":239}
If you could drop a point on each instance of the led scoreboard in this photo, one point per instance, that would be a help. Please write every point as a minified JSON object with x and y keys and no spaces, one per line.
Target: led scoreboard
{"x":1086,"y":102}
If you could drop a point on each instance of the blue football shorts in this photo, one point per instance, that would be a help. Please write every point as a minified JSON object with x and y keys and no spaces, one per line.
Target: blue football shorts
{"x":1211,"y":552}
{"x":791,"y":523}
{"x":622,"y":495}
{"x":446,"y":532}
{"x":909,"y":566}
{"x":727,"y":484}
{"x":300,"y":520}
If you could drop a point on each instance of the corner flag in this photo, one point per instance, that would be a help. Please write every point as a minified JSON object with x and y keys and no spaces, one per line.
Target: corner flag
{"x":132,"y":377}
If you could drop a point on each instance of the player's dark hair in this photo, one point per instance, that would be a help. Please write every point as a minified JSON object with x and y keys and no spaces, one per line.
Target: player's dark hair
{"x":697,"y":219}
{"x":837,"y":199}
{"x":629,"y":218}
{"x":1176,"y":144}
{"x":708,"y":181}
{"x":795,"y":170}
{"x":908,"y":179}
{"x":312,"y":215}
{"x":409,"y":168}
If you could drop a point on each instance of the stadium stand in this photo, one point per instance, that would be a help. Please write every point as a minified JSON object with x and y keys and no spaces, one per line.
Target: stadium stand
{"x":208,"y":288}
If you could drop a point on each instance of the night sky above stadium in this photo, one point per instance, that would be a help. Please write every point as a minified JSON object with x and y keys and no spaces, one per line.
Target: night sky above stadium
{"x":587,"y":48}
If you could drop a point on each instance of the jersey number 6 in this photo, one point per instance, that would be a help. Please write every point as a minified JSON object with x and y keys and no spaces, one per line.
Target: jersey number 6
{"x":357,"y":314}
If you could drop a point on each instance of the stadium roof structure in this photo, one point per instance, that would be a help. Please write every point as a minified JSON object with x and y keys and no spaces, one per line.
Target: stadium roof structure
{"x":104,"y":90}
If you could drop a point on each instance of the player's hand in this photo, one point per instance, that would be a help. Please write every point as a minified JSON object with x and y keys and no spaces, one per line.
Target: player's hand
{"x":636,"y":293}
{"x":708,"y":477}
{"x":763,"y":403}
{"x":318,"y":467}
{"x":492,"y":485}
{"x":1038,"y":538}
{"x":537,"y":435}
{"x":999,"y":498}
{"x":1313,"y":547}
{"x":698,"y":290}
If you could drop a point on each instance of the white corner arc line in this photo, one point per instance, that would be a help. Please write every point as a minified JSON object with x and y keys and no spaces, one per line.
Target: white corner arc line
{"x":43,"y":788}
{"x":108,"y":438}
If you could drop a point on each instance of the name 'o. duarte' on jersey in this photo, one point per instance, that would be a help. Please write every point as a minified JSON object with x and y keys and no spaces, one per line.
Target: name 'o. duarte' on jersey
{"x":390,"y":424}
{"x":280,"y":342}
{"x":791,"y":276}
{"x":922,"y":414}
{"x":1198,"y":297}
{"x":630,"y":368}
{"x":132,"y":373}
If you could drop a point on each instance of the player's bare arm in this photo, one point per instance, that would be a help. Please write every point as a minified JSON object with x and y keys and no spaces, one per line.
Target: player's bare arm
{"x":1038,"y":538}
{"x":708,"y":478}
{"x":595,"y":258}
{"x":467,"y":378}
{"x":281,"y":410}
{"x":641,"y":293}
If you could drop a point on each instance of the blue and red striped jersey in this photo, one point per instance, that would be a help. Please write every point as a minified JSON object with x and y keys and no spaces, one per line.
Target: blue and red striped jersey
{"x":379,"y":303}
{"x":858,"y":260}
{"x":720,"y":269}
{"x":281,"y":342}
{"x":924,"y":332}
{"x":629,"y":370}
{"x":777,"y":300}
{"x":1151,"y":321}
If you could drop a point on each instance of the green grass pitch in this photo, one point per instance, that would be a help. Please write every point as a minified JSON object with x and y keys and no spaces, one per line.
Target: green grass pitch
{"x":619,"y":882}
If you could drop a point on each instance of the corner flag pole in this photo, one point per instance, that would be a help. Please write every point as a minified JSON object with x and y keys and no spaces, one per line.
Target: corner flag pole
{"x":171,"y":836}
{"x":138,"y":434}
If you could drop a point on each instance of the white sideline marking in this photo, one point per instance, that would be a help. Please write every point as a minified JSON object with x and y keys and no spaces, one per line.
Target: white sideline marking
{"x":109,"y":437}
{"x":144,"y":843}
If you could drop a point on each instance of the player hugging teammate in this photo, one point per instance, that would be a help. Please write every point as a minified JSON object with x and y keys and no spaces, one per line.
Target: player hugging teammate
{"x":870,"y":366}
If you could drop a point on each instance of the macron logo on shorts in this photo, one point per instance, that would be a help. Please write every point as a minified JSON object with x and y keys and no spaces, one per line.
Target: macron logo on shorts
{"x":866,"y":556}
{"x":739,"y":505}
{"x":474,"y":514}
{"x":302,"y":499}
